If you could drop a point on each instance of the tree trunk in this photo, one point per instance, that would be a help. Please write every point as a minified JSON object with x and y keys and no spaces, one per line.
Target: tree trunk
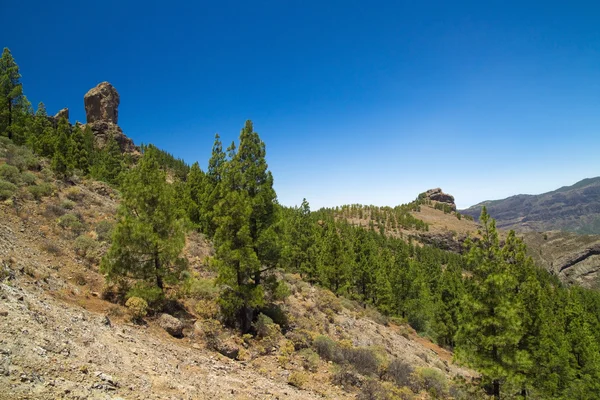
{"x":159,"y":280}
{"x":496,"y":389}
{"x":10,"y":134}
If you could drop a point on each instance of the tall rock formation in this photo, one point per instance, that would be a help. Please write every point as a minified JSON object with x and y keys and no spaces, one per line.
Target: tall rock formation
{"x":102,"y":114}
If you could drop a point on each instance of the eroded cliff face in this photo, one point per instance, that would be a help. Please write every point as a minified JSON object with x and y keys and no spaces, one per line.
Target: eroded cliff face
{"x":575,"y":259}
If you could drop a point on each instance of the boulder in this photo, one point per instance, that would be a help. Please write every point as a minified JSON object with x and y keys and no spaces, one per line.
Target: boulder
{"x":102,"y":103}
{"x":172,"y":325}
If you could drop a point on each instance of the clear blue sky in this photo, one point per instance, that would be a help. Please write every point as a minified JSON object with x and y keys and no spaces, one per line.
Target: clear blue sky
{"x":358,"y":101}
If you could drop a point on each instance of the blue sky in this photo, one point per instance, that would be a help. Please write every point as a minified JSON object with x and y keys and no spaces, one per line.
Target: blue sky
{"x":357,"y":102}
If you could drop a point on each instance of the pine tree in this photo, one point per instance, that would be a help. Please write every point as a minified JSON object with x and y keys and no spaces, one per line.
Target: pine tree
{"x":245,"y":239}
{"x":11,"y":92}
{"x":79,"y":156}
{"x":491,"y":325}
{"x":108,"y":164}
{"x":195,"y":191}
{"x":150,"y":233}
{"x":60,"y":159}
{"x":212,"y":191}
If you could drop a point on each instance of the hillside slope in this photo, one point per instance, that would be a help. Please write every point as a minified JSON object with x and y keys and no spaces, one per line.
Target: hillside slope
{"x":60,"y":339}
{"x":574,"y":208}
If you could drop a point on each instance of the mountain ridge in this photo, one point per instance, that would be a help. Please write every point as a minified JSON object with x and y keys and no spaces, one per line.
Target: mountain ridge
{"x":574,"y":208}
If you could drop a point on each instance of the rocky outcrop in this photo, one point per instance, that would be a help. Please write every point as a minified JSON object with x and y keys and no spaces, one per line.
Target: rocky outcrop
{"x":102,"y":103}
{"x":104,"y":130}
{"x":64,"y":113}
{"x":439,"y":196}
{"x":102,"y":114}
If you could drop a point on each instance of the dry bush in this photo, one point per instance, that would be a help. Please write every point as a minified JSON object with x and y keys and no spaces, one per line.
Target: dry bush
{"x":79,"y":278}
{"x":75,"y":194}
{"x":301,"y":338}
{"x":364,"y":360}
{"x":346,"y":378}
{"x":374,"y":390}
{"x":328,"y":301}
{"x":207,"y":309}
{"x":138,"y":308}
{"x":298,"y":379}
{"x":54,"y":210}
{"x":399,"y":372}
{"x":52,"y":248}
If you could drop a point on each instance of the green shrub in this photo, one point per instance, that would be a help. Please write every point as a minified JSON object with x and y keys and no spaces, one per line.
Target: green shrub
{"x":310,"y":359}
{"x":104,"y":230}
{"x":10,"y":173}
{"x":430,"y":379}
{"x":87,"y":247}
{"x":39,"y":191}
{"x":28,"y":178}
{"x":278,"y":315}
{"x":7,"y":189}
{"x":200,"y":288}
{"x":281,"y":292}
{"x":67,"y":204}
{"x":47,"y":175}
{"x":264,"y":326}
{"x":328,"y":349}
{"x":138,"y":308}
{"x":22,"y":158}
{"x":70,"y":221}
{"x":153,"y":295}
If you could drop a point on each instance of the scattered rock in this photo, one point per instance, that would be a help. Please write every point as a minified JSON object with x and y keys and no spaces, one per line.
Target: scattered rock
{"x":106,"y":321}
{"x":228,"y":349}
{"x":172,"y":325}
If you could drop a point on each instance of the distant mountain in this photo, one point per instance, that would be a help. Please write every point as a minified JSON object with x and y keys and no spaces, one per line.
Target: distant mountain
{"x":573,"y":208}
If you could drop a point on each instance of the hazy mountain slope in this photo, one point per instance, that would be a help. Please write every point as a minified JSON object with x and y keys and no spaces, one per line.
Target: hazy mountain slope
{"x":573,"y":208}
